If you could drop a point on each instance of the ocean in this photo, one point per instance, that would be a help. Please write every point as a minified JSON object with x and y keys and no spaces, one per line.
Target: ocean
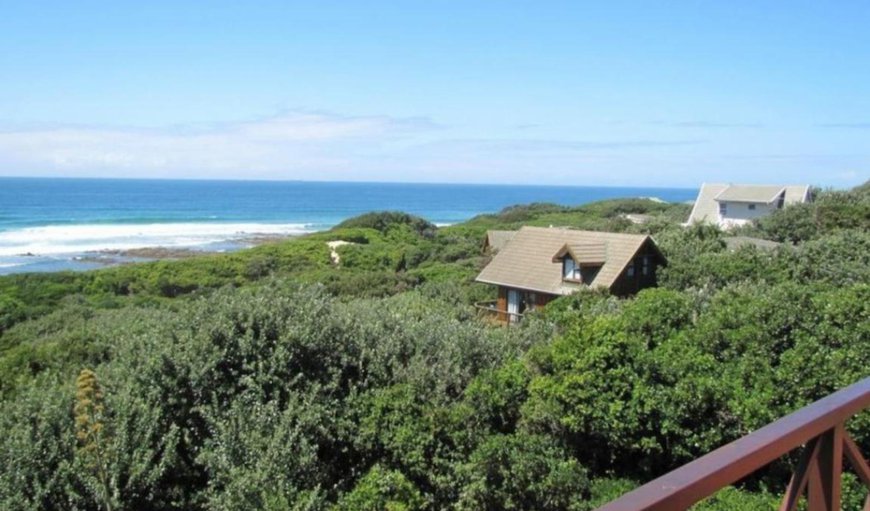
{"x":69,"y":224}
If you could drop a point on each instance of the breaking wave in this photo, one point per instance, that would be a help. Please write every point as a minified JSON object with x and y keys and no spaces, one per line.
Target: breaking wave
{"x":71,"y":239}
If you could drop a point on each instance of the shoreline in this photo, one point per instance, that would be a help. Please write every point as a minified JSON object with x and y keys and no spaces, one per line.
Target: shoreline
{"x":104,"y":258}
{"x":84,"y":246}
{"x":159,"y":252}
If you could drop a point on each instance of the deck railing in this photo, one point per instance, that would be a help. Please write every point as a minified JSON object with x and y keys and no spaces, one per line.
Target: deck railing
{"x":819,"y":428}
{"x":491,"y":310}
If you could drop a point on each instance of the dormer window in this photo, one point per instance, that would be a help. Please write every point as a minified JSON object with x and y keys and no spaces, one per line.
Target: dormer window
{"x":723,"y":209}
{"x":581,"y":262}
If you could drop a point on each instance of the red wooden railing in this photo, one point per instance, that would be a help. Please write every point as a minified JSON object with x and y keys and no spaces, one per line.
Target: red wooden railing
{"x":818,"y":427}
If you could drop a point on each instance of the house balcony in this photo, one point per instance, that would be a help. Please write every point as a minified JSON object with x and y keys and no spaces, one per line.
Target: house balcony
{"x":489,"y":311}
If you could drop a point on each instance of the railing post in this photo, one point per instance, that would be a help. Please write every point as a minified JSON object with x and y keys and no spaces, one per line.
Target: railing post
{"x":824,"y":488}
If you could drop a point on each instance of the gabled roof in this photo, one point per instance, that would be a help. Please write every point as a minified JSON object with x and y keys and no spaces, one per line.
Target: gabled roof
{"x":528,"y":262}
{"x":583,"y":253}
{"x":795,"y":194}
{"x":750,"y":193}
{"x":496,"y":240}
{"x":706,"y":208}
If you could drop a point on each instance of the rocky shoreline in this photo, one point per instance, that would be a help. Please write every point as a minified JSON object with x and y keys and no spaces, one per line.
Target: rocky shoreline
{"x":132,"y":255}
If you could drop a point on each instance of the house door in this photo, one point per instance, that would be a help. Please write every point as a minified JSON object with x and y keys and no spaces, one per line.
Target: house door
{"x":513,"y":305}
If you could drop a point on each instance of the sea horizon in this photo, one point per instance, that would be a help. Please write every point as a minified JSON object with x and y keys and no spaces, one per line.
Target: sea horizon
{"x":326,"y":181}
{"x":52,"y":224}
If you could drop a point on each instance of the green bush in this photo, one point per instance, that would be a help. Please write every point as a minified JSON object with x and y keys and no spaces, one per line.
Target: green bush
{"x":382,"y":490}
{"x":522,"y":472}
{"x":385,"y":221}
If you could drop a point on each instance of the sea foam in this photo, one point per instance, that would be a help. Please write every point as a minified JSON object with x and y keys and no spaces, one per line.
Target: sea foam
{"x":73,"y":239}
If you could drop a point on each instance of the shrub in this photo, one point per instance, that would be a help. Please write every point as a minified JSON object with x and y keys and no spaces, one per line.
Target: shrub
{"x":384,"y":221}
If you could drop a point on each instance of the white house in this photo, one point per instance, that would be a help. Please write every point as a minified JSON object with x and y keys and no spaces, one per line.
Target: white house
{"x":730,"y":205}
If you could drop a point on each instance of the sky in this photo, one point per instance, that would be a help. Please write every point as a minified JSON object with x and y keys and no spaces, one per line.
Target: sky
{"x":645,"y":93}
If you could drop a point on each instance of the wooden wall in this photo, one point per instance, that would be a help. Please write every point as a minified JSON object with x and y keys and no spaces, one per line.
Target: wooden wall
{"x":626,"y":285}
{"x":501,"y":303}
{"x":543,"y":299}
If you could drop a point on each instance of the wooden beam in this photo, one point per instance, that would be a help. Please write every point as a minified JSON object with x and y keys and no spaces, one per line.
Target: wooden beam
{"x":856,"y":459}
{"x":826,"y":476}
{"x":799,"y":478}
{"x":815,"y":490}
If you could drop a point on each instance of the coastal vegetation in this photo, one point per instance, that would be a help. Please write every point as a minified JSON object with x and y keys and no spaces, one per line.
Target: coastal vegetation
{"x":274,"y":378}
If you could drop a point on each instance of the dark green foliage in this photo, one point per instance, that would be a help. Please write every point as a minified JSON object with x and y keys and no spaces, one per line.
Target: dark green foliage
{"x":830,"y":211}
{"x":269,"y":398}
{"x":697,"y":258}
{"x":384,"y":221}
{"x":730,"y":499}
{"x":28,"y":295}
{"x":497,"y":395}
{"x":605,"y":489}
{"x":368,"y":284}
{"x":382,"y":490}
{"x":37,"y":449}
{"x":792,"y":224}
{"x":599,"y":216}
{"x":524,"y":213}
{"x":667,"y":379}
{"x":841,"y":258}
{"x":522,"y":472}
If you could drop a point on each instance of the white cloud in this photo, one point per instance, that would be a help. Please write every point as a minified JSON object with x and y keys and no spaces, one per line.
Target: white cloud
{"x":327,"y":146}
{"x":310,"y":145}
{"x":293,"y":143}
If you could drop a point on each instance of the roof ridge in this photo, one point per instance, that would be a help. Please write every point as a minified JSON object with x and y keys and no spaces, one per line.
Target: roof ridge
{"x":764,"y":184}
{"x":583,"y":231}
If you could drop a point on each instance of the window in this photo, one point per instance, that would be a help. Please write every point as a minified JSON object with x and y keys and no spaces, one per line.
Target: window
{"x":513,"y":305}
{"x":752,"y":207}
{"x":570,"y":270}
{"x":723,"y":209}
{"x":645,"y":267}
{"x":630,"y":271}
{"x":567,"y":267}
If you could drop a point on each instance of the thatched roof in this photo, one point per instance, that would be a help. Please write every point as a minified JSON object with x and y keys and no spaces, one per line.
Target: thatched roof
{"x":529,"y":261}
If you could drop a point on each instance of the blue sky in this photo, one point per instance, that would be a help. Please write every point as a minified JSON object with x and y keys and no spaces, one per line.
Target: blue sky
{"x":604,"y":93}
